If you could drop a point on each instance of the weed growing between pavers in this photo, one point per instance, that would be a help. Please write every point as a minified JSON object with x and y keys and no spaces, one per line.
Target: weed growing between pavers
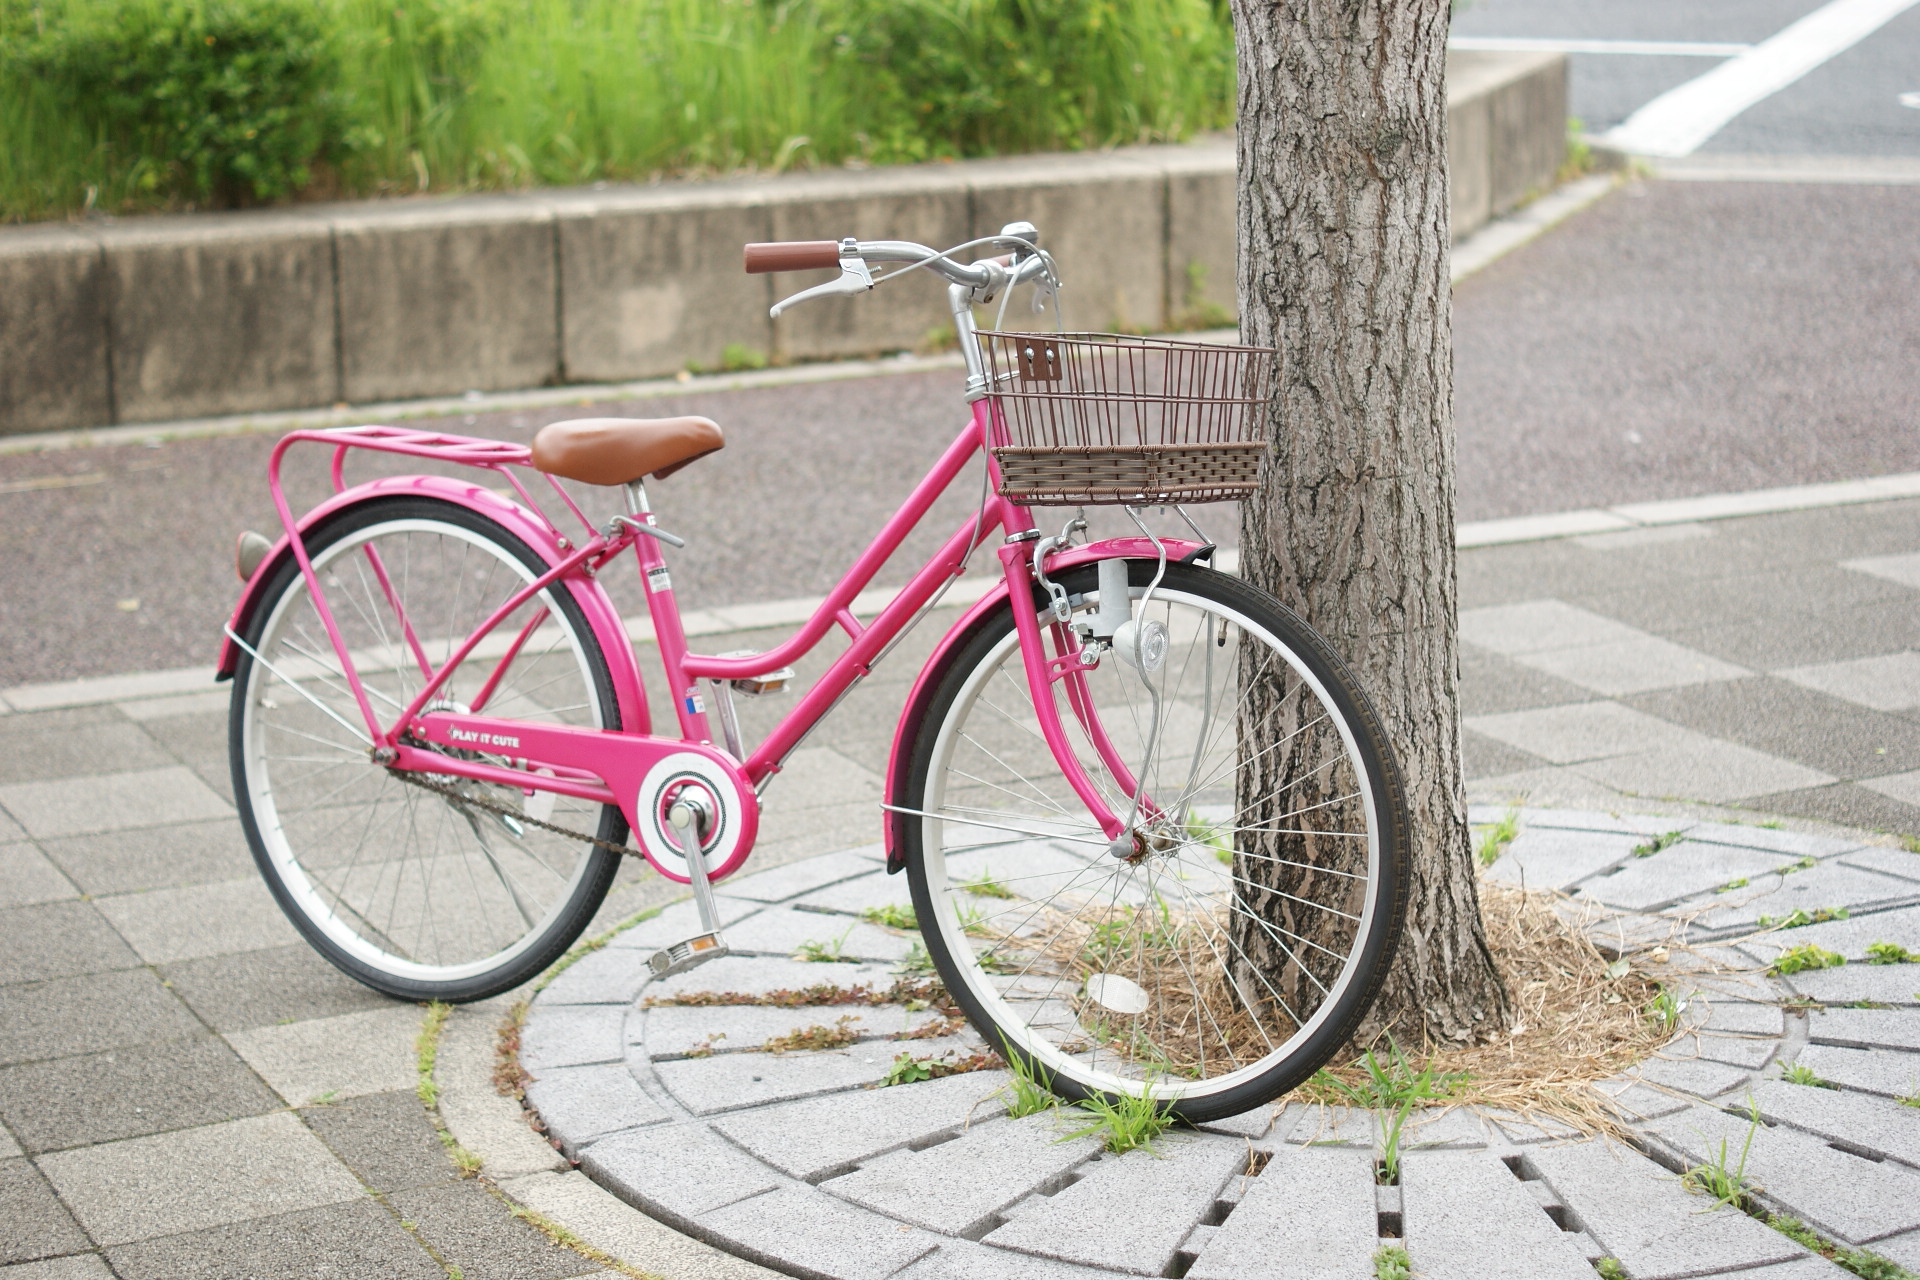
{"x":1391,"y":1262}
{"x":1799,"y":918}
{"x":1913,"y":1101}
{"x":832,"y":951}
{"x":985,"y":886}
{"x":1127,"y":1123}
{"x":1029,"y":1092}
{"x":580,"y":950}
{"x":907,"y":1069}
{"x":1720,"y":1176}
{"x":566,"y":1239}
{"x":1665,"y":840}
{"x":838,"y":1036}
{"x":426,"y":1049}
{"x":1890,"y":953}
{"x":510,"y":1079}
{"x":1801,"y":1074}
{"x":1868,"y":1266}
{"x":1731,"y":885}
{"x":1664,"y":1009}
{"x":1610,"y":1269}
{"x":1495,"y":837}
{"x":892,"y":916}
{"x":1804,"y":957}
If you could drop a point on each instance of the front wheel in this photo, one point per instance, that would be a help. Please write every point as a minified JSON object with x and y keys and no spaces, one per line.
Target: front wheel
{"x":1225,"y":949}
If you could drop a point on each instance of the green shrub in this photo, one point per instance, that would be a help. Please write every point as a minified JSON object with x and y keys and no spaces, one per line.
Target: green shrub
{"x":222,"y":102}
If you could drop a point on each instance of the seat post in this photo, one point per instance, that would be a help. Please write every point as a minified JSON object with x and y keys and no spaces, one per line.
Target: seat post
{"x":636,"y":495}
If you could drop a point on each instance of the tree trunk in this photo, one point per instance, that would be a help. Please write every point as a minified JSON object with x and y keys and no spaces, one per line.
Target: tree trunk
{"x":1344,"y":268}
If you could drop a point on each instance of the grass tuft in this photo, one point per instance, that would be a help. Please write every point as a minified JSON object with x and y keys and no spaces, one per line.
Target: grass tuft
{"x":1126,"y":1123}
{"x":1390,"y":1262}
{"x":1799,"y":1073}
{"x":1804,"y":957}
{"x":1495,"y":837}
{"x":1665,"y":840}
{"x":894,"y":915}
{"x":1868,"y":1266}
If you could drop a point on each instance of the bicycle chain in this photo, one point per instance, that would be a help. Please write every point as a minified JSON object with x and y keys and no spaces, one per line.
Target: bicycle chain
{"x":454,"y":793}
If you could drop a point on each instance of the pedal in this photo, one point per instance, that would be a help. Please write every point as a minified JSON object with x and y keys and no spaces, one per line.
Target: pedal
{"x":682,"y":956}
{"x":755,"y":686}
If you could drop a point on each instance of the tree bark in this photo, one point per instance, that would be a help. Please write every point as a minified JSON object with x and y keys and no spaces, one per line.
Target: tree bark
{"x":1344,"y":243}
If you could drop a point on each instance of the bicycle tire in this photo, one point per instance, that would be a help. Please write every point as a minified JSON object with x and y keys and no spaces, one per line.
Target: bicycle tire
{"x":465,"y":916}
{"x":1046,"y":1015}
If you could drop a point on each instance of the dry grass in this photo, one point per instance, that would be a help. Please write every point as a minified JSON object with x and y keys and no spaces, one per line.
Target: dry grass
{"x":1575,"y":1025}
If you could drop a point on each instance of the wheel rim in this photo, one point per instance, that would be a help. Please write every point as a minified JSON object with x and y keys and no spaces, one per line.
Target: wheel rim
{"x":403,"y":880}
{"x":1124,"y":976}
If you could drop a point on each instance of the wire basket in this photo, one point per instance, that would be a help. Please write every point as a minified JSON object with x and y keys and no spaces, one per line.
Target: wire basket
{"x":1106,"y":419}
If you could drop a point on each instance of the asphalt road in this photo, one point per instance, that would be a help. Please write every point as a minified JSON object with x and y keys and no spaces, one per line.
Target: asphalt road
{"x":1850,"y":105}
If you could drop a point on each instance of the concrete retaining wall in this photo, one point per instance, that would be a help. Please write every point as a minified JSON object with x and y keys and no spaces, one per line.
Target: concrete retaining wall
{"x":161,"y":318}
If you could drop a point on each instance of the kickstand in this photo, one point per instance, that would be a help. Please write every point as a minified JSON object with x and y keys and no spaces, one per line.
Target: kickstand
{"x":684,"y":819}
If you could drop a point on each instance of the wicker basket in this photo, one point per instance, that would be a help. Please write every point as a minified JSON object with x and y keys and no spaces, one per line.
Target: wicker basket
{"x":1100,"y":418}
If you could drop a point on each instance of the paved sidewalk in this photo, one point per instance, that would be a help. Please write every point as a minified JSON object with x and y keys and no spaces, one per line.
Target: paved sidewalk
{"x":165,"y":1041}
{"x":807,"y":1161}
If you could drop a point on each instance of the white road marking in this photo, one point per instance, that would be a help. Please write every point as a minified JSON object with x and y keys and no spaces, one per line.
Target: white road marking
{"x":1632,"y":48}
{"x":1910,"y":99}
{"x":1680,"y":120}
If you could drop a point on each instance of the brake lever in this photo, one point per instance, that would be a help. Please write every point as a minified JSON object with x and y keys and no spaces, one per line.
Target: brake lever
{"x":855,"y":277}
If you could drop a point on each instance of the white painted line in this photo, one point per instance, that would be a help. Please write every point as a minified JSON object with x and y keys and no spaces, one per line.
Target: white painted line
{"x":1678,"y":121}
{"x":1627,"y":48}
{"x":1880,"y":171}
{"x":1505,"y":234}
{"x":1561,"y":524}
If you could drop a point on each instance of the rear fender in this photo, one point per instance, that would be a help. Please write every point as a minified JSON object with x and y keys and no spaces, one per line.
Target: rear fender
{"x":961,"y":632}
{"x":601,"y":616}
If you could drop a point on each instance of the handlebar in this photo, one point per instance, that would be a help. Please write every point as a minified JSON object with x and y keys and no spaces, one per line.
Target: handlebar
{"x":821,"y":255}
{"x":792,"y":255}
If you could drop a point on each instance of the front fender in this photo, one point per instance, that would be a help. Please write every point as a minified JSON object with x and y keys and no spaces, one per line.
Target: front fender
{"x":914,"y":713}
{"x":601,"y":616}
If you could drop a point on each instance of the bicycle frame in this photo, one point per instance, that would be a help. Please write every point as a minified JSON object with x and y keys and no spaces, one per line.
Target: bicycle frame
{"x":609,"y":767}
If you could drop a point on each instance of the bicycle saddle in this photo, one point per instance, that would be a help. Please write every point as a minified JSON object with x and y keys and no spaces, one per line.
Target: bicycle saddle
{"x":620,"y":450}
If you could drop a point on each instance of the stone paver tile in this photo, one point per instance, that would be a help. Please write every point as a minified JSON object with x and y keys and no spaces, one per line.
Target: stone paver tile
{"x":1850,"y":937}
{"x":27,"y":877}
{"x":78,"y":1266}
{"x":593,"y":1213}
{"x":1639,"y":665}
{"x":606,"y":976}
{"x":1840,"y":1195}
{"x":1867,"y":1028}
{"x":156,"y":857}
{"x":470,"y":1229}
{"x":584,"y":1104}
{"x":9,"y":1149}
{"x":385,"y":1138}
{"x":728,"y":1081}
{"x":1437,"y":1127}
{"x":1637,"y":824}
{"x":1515,"y":629}
{"x":1690,"y":1075}
{"x":958,"y":1187}
{"x":268,"y":988}
{"x":41,"y":748}
{"x":1677,"y":872}
{"x":127,"y":1092}
{"x":1099,"y":1222}
{"x":33,"y":1223}
{"x":1831,"y":884}
{"x":10,"y":831}
{"x":800,"y":877}
{"x":1741,"y":1019}
{"x":1904,"y":787}
{"x":676,"y":1172}
{"x":112,"y":802}
{"x":1749,"y":1053}
{"x":1544,"y":859}
{"x":166,"y":925}
{"x":1889,"y":1073}
{"x":57,"y":940}
{"x":757,"y":975}
{"x":1639,"y":1214}
{"x":817,"y":1138}
{"x":1798,"y":844}
{"x":1526,"y":1130}
{"x":80,"y":1015}
{"x":1887,"y":683}
{"x":1892,"y":862}
{"x":193,"y":1178}
{"x":1889,"y":984}
{"x":1904,"y":1250}
{"x":1705,"y":768}
{"x":1320,"y":1125}
{"x":1810,"y":1267}
{"x":964,"y":1260}
{"x":1467,"y":1217}
{"x":1580,"y":732}
{"x":1308,"y":1216}
{"x":335,"y":1242}
{"x":806,"y":1229}
{"x":781,"y":931}
{"x":678,"y":1031}
{"x":341,"y":1057}
{"x":1252,"y":1125}
{"x":1870,"y":1124}
{"x":573,"y":1035}
{"x":854,"y":896}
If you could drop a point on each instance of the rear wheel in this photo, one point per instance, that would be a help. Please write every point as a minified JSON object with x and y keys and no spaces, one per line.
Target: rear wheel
{"x":416,"y":892}
{"x":1183,"y":966}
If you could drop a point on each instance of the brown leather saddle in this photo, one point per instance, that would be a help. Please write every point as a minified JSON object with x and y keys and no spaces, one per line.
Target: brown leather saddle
{"x":621,"y":450}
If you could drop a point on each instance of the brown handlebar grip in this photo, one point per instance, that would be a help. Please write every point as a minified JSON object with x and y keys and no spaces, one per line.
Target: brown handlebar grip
{"x":792,"y":255}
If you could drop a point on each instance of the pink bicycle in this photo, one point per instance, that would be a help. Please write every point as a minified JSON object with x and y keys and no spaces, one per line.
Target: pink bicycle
{"x":441,"y":745}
